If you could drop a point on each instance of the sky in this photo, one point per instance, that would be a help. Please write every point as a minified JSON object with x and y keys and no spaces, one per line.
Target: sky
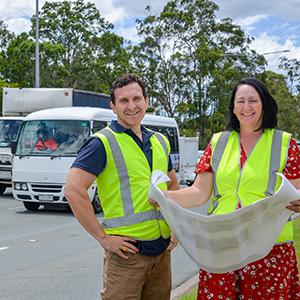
{"x":274,"y":24}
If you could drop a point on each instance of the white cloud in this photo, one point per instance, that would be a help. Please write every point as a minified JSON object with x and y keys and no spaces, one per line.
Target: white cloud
{"x":288,"y":9}
{"x":248,"y":23}
{"x":16,"y":9}
{"x":266,"y":44}
{"x":18,"y":25}
{"x":111,"y":12}
{"x":128,"y":33}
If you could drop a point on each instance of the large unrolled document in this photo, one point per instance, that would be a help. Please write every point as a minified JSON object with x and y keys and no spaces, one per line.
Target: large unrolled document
{"x":224,"y":243}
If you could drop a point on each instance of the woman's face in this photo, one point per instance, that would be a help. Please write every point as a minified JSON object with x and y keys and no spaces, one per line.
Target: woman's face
{"x":248,"y":107}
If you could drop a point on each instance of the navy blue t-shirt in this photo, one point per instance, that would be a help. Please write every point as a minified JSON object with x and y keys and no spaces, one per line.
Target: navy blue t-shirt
{"x":92,"y":159}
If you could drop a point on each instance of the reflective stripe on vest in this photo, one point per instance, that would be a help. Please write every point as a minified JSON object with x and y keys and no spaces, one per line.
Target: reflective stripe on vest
{"x":130,"y":217}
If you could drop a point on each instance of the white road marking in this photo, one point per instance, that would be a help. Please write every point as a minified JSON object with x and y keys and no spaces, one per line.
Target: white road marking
{"x":16,"y":207}
{"x":3,"y":248}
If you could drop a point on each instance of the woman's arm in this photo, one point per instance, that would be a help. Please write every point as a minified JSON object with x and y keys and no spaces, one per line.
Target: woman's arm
{"x":295,"y":205}
{"x":196,"y":195}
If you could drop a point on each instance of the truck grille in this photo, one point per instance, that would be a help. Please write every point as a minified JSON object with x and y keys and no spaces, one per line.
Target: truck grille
{"x":41,"y":188}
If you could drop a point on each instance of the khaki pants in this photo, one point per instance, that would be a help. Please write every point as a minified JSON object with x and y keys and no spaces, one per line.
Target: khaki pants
{"x":140,"y":277}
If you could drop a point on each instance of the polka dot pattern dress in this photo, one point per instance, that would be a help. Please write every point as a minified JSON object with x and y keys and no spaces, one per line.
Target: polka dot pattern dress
{"x":274,"y":277}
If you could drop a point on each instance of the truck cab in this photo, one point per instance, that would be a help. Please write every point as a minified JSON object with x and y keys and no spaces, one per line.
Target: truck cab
{"x":9,"y":127}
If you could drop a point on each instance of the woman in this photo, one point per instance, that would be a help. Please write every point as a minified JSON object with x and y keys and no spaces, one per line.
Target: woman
{"x":239,"y":167}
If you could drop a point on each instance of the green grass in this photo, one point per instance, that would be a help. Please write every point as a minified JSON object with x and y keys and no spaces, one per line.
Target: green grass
{"x":190,"y":296}
{"x":193,"y":294}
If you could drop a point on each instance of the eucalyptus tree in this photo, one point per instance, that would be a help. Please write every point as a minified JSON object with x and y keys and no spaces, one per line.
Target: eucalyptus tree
{"x":292,"y":73}
{"x":5,"y":38}
{"x":185,"y":54}
{"x":288,"y":103}
{"x":88,"y":53}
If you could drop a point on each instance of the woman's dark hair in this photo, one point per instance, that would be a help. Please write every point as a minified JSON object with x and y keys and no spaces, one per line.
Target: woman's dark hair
{"x":269,"y":106}
{"x":125,"y":80}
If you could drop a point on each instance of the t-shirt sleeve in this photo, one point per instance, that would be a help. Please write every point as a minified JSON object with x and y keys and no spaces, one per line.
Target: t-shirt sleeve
{"x":170,"y":165}
{"x":204,"y":163}
{"x":91,"y":157}
{"x":292,"y":167}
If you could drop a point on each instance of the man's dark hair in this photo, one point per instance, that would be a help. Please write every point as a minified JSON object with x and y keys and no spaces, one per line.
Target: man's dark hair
{"x":125,"y":80}
{"x":269,"y":106}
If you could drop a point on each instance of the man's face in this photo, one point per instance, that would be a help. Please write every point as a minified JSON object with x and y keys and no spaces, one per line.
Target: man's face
{"x":130,"y":105}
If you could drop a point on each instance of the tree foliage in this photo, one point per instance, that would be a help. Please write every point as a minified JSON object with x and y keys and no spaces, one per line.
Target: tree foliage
{"x":186,"y":54}
{"x":77,"y":49}
{"x":288,"y":104}
{"x":189,"y":59}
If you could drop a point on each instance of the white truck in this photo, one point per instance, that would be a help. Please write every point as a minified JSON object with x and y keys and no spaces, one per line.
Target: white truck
{"x":19,"y":102}
{"x":189,"y":157}
{"x":39,"y":173}
{"x":9,"y":127}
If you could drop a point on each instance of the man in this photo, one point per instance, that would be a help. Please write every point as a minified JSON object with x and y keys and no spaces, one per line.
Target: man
{"x":134,"y":235}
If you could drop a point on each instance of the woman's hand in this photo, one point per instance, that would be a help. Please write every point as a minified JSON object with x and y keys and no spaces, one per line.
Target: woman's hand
{"x":294,"y":206}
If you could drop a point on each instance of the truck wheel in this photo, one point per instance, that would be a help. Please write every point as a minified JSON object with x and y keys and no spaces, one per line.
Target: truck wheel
{"x":2,"y":188}
{"x":96,"y":203}
{"x":31,"y":205}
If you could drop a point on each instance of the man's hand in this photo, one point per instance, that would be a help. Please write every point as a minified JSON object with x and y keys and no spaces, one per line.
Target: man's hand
{"x":119,"y":245}
{"x":173,"y":242}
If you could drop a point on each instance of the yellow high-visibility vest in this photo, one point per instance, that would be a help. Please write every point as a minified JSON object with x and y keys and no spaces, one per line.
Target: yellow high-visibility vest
{"x":256,"y":179}
{"x":124,"y":184}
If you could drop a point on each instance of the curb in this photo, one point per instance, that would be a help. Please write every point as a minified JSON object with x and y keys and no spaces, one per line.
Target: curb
{"x":184,"y":288}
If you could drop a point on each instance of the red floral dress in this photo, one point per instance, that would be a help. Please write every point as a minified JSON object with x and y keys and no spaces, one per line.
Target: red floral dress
{"x":274,"y":277}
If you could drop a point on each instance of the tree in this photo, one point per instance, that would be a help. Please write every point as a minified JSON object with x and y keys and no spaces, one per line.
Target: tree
{"x":80,"y":49}
{"x":288,"y":104}
{"x":292,"y":69}
{"x":183,"y":55}
{"x":5,"y":38}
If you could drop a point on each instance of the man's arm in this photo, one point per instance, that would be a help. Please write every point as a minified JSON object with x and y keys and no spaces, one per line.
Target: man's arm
{"x":78,"y":182}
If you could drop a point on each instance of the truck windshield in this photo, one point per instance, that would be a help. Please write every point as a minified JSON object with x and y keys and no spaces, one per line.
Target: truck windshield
{"x":8,"y":131}
{"x":52,"y":137}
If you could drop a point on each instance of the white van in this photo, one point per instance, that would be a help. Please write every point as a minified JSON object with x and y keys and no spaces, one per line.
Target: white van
{"x":39,"y":173}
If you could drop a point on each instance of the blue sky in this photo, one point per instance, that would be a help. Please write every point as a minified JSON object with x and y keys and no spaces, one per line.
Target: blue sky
{"x":275,"y":24}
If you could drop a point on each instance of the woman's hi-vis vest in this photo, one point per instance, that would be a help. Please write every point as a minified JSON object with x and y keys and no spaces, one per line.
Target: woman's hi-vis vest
{"x":123,"y":186}
{"x":257,"y":178}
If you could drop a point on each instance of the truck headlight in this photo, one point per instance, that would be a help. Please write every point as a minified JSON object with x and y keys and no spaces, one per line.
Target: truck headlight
{"x":24,"y":187}
{"x":21,"y":186}
{"x":17,"y":185}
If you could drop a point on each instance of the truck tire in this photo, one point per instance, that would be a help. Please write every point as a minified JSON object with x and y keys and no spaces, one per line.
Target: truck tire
{"x":96,"y":203}
{"x":2,"y":188}
{"x":31,"y":205}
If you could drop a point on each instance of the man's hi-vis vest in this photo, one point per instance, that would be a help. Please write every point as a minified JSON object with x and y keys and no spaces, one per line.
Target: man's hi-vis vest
{"x":255,"y":180}
{"x":123,"y":186}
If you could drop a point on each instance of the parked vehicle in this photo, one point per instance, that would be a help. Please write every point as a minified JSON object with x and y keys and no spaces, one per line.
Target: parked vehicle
{"x":188,"y":158}
{"x":18,"y":103}
{"x":21,"y":102}
{"x":39,"y":173}
{"x":9,"y":127}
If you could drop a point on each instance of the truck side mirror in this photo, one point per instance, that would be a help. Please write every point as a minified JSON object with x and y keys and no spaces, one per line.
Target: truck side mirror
{"x":13,"y":147}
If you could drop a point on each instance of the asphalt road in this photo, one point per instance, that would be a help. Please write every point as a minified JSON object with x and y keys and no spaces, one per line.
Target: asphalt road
{"x":46,"y":255}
